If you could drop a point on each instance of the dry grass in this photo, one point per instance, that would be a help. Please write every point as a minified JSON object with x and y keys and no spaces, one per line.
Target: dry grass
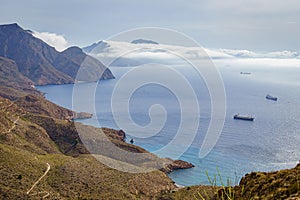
{"x":38,"y":139}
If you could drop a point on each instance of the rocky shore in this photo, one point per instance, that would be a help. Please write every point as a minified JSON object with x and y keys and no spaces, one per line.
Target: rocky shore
{"x":81,"y":115}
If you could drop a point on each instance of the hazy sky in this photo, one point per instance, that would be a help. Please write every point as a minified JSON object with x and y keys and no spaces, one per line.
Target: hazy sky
{"x":259,"y":25}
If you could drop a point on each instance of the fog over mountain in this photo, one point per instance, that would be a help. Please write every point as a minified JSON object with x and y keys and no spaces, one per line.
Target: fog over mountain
{"x":131,"y":54}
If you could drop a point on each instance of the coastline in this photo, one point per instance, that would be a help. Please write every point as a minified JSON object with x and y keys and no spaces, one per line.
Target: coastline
{"x":200,"y":169}
{"x":173,"y":164}
{"x":36,"y":133}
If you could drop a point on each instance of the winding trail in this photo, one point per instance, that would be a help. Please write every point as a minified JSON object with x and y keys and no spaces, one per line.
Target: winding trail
{"x":48,"y":169}
{"x":14,"y":125}
{"x":15,"y":122}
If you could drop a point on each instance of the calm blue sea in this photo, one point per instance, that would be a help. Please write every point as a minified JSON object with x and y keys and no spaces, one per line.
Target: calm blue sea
{"x":269,"y":143}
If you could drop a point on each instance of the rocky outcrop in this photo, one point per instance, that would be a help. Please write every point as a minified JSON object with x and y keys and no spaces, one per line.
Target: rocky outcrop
{"x":81,"y":115}
{"x":177,"y":164}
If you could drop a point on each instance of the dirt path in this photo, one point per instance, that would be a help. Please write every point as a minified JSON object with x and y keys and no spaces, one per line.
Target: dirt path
{"x":15,"y":122}
{"x":48,"y":169}
{"x":14,"y":125}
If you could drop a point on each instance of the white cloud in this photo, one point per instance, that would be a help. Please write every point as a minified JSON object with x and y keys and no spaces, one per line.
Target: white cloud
{"x":53,"y":39}
{"x":108,"y":51}
{"x":251,"y":54}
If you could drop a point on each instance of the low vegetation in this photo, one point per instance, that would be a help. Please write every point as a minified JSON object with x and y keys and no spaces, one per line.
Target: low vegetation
{"x":283,"y":184}
{"x":29,"y":141}
{"x":36,"y":134}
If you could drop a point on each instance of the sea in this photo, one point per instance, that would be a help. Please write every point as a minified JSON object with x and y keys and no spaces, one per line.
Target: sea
{"x":271,"y":142}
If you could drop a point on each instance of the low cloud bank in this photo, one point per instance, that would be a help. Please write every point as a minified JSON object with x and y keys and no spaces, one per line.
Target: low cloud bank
{"x":57,"y":41}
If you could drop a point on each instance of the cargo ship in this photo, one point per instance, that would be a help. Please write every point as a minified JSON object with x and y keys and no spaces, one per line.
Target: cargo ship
{"x":245,"y":73}
{"x":243,"y":117}
{"x":270,"y":97}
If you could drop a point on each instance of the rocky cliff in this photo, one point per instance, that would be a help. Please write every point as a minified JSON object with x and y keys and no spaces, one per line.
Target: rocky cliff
{"x":40,"y":62}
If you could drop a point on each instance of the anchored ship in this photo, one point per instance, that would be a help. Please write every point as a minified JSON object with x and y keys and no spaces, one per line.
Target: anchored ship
{"x":243,"y":117}
{"x":245,"y":73}
{"x":270,"y":97}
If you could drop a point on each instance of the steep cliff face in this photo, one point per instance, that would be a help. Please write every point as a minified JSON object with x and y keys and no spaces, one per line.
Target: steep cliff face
{"x":33,"y":57}
{"x":70,"y":60}
{"x":40,"y":62}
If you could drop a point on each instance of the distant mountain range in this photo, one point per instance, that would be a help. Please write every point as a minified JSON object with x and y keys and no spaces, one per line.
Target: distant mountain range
{"x":134,"y":53}
{"x":41,"y":63}
{"x":141,"y":51}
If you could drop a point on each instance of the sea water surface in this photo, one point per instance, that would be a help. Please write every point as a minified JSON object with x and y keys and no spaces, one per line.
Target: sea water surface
{"x":269,"y":143}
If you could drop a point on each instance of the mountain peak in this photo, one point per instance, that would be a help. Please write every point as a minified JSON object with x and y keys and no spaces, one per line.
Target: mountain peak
{"x":73,"y":49}
{"x":14,"y":26}
{"x":40,"y":62}
{"x":99,"y":45}
{"x":143,"y":41}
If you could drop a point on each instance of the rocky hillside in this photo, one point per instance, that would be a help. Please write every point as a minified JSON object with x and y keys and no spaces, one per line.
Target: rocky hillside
{"x":40,"y":62}
{"x":29,"y":142}
{"x":70,"y":60}
{"x":12,"y":83}
{"x":283,"y":184}
{"x":42,"y":156}
{"x":36,"y":136}
{"x":37,"y":104}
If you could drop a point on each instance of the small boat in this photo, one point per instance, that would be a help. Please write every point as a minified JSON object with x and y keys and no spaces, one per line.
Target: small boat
{"x":245,"y":73}
{"x":271,"y":97}
{"x":243,"y":117}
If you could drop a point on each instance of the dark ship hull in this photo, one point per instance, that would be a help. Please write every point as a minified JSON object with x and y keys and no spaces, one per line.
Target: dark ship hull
{"x":271,"y":97}
{"x":241,"y":117}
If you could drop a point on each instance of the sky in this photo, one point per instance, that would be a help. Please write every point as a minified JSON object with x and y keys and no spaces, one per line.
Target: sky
{"x":256,"y":25}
